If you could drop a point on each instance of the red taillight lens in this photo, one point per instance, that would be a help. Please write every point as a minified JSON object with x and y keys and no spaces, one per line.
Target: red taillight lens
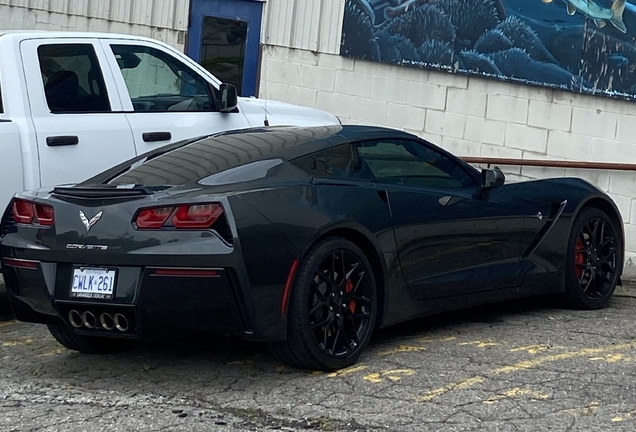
{"x":197,"y":216}
{"x":45,"y":214}
{"x":23,"y":211}
{"x":153,"y":218}
{"x":26,"y":212}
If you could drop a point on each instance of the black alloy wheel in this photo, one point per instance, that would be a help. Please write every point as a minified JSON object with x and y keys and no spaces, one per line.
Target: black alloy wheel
{"x":594,"y":257}
{"x":332,"y":308}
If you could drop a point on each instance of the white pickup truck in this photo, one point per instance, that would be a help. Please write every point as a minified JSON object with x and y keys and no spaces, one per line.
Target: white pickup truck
{"x":73,"y":104}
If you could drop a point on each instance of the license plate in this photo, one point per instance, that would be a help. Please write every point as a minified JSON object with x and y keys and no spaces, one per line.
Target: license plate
{"x":93,"y":283}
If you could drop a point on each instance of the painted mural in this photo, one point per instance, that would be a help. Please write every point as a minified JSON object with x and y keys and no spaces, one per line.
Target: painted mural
{"x":586,"y":46}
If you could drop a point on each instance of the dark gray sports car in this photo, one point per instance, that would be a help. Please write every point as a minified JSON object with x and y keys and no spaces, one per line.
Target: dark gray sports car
{"x":306,"y":238}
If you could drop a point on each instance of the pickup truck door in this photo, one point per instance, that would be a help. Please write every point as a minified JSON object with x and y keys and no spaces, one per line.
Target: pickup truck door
{"x":11,"y":177}
{"x":165,"y":95}
{"x":76,"y":109}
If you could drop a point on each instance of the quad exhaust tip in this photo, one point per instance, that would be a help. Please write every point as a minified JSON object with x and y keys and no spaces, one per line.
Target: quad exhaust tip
{"x":121,"y":323}
{"x":106,"y":321}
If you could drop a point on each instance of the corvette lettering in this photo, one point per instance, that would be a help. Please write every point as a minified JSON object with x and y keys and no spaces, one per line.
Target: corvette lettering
{"x":86,"y":247}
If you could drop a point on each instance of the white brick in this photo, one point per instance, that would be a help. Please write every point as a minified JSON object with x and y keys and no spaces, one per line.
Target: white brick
{"x":317,"y":78}
{"x":448,"y":79}
{"x":460,"y":147}
{"x":626,"y":128}
{"x":607,"y":150}
{"x":594,"y":123}
{"x":466,"y":102}
{"x":431,"y":138}
{"x":541,"y":172}
{"x":335,"y":62}
{"x":624,"y":205}
{"x":533,"y":93}
{"x":335,"y":103}
{"x":632,"y":218}
{"x":485,"y":131}
{"x":282,"y":72}
{"x":507,"y":109}
{"x":570,"y":146}
{"x":406,"y":117}
{"x":630,"y":237}
{"x":495,"y":151}
{"x":300,"y":96}
{"x":272,"y":90}
{"x":368,"y":110}
{"x":353,"y":83}
{"x":390,"y":90}
{"x":445,"y":123}
{"x":489,"y":86}
{"x":622,"y":183}
{"x":599,"y":178}
{"x":526,"y":138}
{"x":427,"y":96}
{"x":549,"y":116}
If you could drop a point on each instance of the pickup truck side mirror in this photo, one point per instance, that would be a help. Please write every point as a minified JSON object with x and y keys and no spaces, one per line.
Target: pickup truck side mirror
{"x":490,"y":179}
{"x":229,"y":98}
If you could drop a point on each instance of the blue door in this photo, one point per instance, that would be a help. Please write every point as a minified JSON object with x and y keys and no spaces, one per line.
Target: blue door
{"x":224,"y":37}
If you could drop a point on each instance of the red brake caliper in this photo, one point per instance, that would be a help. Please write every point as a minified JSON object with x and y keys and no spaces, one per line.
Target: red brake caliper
{"x":579,"y":258}
{"x":349,"y":289}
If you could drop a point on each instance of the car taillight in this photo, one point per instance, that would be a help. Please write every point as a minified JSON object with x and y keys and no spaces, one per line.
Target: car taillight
{"x":153,"y":218}
{"x":194,"y":216}
{"x":26,"y":212}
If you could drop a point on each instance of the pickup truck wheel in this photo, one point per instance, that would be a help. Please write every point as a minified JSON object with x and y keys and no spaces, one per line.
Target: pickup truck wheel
{"x":88,"y":344}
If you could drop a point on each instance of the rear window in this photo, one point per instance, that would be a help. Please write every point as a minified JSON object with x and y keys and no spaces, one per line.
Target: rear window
{"x":198,"y":160}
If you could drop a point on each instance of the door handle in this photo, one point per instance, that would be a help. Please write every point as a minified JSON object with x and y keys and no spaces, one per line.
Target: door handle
{"x":156,"y":136}
{"x":57,"y":141}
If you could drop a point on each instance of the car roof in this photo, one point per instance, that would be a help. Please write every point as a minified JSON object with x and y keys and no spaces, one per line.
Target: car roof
{"x":198,"y":158}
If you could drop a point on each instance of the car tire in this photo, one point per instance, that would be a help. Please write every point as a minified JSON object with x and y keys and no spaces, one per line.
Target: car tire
{"x":332,"y":308}
{"x":594,"y":254}
{"x":88,"y":344}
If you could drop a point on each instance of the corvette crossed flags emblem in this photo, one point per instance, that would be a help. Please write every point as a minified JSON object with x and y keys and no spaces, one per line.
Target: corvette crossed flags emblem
{"x":89,"y":223}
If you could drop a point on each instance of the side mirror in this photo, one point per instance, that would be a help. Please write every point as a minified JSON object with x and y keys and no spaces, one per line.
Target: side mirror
{"x":229,"y":98}
{"x":491,"y":179}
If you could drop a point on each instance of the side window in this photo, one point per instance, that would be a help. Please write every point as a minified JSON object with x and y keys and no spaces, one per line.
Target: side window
{"x":1,"y":106}
{"x":336,"y":162}
{"x":410,"y":163}
{"x":157,"y":81}
{"x":73,"y":80}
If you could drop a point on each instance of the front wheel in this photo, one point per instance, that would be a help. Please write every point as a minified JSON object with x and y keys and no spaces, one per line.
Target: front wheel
{"x":332,"y":308}
{"x":88,"y":344}
{"x":595,"y":253}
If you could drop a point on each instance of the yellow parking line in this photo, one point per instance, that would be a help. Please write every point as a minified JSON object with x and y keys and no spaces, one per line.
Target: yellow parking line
{"x":523,"y":365}
{"x":8,"y":323}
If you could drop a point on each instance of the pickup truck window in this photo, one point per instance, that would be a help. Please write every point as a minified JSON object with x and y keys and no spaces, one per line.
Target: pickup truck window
{"x":157,"y":81}
{"x":73,"y":80}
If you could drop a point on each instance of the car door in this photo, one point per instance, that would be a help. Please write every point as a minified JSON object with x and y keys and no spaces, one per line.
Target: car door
{"x":76,"y":110}
{"x":450,"y":241}
{"x":165,"y":99}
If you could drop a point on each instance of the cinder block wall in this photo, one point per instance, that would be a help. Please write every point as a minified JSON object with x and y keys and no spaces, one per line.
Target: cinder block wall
{"x":470,"y":116}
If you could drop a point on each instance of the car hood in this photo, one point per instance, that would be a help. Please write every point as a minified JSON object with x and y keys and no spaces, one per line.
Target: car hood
{"x":284,"y":114}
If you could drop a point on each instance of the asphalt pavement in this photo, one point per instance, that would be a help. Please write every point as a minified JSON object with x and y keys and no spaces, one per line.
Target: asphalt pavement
{"x":522,"y":365}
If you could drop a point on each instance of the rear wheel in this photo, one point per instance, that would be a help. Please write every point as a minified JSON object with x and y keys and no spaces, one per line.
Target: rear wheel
{"x":332,"y":308}
{"x":88,"y":344}
{"x":594,"y":255}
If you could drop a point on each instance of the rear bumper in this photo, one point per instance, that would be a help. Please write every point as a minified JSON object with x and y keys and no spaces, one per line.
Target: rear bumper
{"x":155,"y":302}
